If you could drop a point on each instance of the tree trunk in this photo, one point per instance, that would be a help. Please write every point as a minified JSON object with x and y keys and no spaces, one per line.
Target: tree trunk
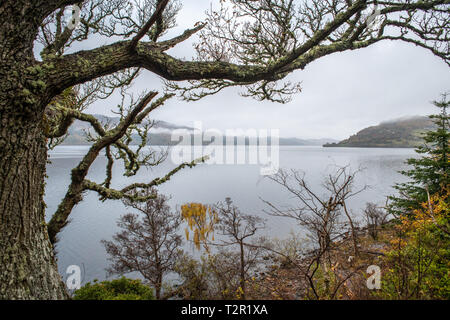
{"x":242,"y":270}
{"x":158,"y":287}
{"x":27,"y":263}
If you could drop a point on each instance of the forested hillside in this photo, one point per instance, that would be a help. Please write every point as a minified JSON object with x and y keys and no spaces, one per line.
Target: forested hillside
{"x":402,"y":133}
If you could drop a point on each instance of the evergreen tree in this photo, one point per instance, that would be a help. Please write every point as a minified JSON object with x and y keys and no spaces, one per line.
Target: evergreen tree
{"x":430,"y":172}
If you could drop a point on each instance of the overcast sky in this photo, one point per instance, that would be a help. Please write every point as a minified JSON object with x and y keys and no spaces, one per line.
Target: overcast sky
{"x":342,"y":93}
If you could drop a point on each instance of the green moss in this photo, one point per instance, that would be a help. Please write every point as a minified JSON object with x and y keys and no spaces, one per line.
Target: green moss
{"x":26,"y":92}
{"x":39,"y":85}
{"x":35,"y":70}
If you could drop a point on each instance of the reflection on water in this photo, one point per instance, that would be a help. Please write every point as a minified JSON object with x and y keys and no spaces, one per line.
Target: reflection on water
{"x":93,"y":220}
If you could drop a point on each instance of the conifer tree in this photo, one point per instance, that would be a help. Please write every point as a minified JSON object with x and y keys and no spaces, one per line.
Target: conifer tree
{"x":430,"y":173}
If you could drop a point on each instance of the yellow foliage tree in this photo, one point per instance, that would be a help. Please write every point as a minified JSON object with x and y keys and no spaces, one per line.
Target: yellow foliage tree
{"x":201,"y":220}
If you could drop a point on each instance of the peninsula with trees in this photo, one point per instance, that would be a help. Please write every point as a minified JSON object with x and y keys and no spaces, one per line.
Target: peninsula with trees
{"x":399,"y":133}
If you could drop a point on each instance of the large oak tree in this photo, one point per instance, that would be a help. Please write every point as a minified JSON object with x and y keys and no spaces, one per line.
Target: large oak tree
{"x":249,"y":43}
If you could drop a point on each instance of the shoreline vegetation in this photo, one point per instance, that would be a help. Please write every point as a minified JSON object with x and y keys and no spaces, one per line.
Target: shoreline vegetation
{"x":413,"y":266}
{"x":281,"y":280}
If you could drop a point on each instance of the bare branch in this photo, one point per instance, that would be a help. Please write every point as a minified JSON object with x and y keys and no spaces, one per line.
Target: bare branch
{"x":132,"y":192}
{"x":153,"y":19}
{"x":168,"y":44}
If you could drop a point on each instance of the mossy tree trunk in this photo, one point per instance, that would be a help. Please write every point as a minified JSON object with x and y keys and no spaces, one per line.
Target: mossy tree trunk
{"x":27,"y":263}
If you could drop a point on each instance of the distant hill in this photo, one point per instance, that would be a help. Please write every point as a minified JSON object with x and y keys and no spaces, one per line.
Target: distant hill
{"x":161,"y":134}
{"x":399,"y":133}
